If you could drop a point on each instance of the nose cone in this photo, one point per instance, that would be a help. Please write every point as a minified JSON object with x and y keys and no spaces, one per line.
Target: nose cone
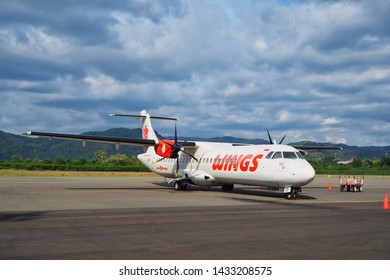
{"x":307,"y":174}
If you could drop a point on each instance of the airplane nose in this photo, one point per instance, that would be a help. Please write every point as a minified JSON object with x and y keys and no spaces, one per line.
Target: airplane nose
{"x":304,"y":174}
{"x":307,"y":174}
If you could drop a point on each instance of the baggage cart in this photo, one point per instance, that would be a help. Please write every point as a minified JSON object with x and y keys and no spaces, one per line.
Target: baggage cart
{"x":351,"y":183}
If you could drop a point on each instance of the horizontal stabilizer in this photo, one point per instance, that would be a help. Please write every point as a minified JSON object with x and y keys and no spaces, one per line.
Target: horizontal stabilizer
{"x":140,"y":117}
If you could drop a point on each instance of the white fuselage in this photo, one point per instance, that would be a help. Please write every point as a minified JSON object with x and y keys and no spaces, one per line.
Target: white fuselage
{"x":224,"y":163}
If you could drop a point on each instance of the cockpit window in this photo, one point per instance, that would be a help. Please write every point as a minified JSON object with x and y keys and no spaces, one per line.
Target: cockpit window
{"x":269,"y":155}
{"x":289,"y":155}
{"x":300,"y":155}
{"x":277,"y":155}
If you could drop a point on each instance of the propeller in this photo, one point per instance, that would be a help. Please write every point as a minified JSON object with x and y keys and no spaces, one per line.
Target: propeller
{"x":274,"y":142}
{"x":176,"y":148}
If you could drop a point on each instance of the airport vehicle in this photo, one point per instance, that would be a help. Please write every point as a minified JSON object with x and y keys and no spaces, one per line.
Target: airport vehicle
{"x":346,"y":162}
{"x":351,"y":183}
{"x":214,"y":164}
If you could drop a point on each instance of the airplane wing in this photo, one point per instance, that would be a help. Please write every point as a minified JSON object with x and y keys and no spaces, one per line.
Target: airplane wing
{"x":317,"y":147}
{"x":142,"y":142}
{"x":102,"y":139}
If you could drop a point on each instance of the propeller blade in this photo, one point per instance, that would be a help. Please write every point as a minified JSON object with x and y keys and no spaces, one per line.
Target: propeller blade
{"x":161,"y":159}
{"x":169,"y":144}
{"x":190,"y":155}
{"x":175,"y":135}
{"x":177,"y":167}
{"x":281,"y":141}
{"x":269,"y":137}
{"x":176,"y":148}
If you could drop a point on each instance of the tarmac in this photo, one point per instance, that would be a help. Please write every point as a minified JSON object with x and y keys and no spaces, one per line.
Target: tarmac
{"x":142,"y":218}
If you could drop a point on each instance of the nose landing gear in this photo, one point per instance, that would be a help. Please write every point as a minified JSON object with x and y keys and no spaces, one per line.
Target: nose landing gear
{"x":292,"y":193}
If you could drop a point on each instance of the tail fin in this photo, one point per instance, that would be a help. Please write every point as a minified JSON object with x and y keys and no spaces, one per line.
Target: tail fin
{"x":147,"y":129}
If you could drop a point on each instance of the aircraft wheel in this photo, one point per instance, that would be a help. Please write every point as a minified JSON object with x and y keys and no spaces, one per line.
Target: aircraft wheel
{"x":180,"y":185}
{"x":177,"y":186}
{"x":292,"y":195}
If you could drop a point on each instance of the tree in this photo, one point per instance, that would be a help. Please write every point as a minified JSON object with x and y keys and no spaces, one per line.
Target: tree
{"x":80,"y":161}
{"x":101,"y":155}
{"x":357,"y":163}
{"x":60,"y":160}
{"x":385,"y":162}
{"x":16,"y":158}
{"x":119,"y":159}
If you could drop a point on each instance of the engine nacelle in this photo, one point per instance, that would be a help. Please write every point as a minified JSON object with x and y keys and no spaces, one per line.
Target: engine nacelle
{"x":164,"y":149}
{"x":201,"y":178}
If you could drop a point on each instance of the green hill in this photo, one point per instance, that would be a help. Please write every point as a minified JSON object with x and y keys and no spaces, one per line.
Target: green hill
{"x":43,"y":148}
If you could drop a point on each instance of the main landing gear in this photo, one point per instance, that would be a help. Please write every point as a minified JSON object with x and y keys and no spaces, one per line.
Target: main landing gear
{"x":181,"y":185}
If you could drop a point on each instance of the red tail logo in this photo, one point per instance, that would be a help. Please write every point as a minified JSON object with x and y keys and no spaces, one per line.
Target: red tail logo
{"x":237,"y":162}
{"x":146,"y":132}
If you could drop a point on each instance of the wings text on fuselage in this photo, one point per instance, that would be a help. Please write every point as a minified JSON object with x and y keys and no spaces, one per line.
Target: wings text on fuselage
{"x":243,"y":163}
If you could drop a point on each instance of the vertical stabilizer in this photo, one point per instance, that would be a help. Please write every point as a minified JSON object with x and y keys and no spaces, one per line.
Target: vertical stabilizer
{"x":147,"y":129}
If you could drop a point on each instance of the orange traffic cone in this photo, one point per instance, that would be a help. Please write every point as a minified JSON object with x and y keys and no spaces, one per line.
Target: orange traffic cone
{"x":330,"y":186}
{"x":386,"y":205}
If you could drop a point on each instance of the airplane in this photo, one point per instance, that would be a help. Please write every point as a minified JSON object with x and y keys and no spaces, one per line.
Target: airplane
{"x":346,"y":162}
{"x":187,"y":163}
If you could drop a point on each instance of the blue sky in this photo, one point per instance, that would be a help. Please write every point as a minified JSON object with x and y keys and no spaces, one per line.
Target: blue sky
{"x":316,"y":70}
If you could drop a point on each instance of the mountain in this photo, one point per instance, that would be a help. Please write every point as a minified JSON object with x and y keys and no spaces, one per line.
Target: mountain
{"x":43,"y":148}
{"x":368,"y":152}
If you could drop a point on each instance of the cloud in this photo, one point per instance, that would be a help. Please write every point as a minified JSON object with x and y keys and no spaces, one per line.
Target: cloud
{"x":330,"y":121}
{"x":316,"y":70}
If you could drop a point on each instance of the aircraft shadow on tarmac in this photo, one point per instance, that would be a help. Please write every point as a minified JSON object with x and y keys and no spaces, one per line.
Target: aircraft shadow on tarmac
{"x":165,"y":186}
{"x":244,"y":191}
{"x":116,"y":189}
{"x":20,"y":216}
